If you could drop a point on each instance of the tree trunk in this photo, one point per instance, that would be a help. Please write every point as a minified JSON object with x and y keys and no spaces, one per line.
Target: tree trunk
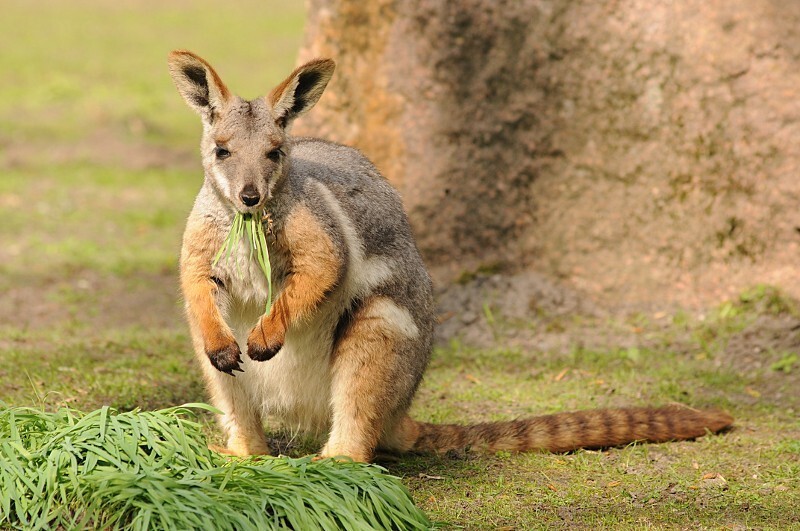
{"x":641,"y":151}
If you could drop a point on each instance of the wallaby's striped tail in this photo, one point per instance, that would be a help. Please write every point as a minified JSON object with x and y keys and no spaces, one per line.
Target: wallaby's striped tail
{"x":563,"y":432}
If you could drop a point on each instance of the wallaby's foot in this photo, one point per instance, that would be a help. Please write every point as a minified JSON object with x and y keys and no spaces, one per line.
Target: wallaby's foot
{"x":241,"y":448}
{"x":223,"y":450}
{"x":344,"y":452}
{"x":220,"y":450}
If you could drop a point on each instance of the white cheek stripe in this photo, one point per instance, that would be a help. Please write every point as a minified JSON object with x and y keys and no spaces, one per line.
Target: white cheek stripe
{"x":222,"y":182}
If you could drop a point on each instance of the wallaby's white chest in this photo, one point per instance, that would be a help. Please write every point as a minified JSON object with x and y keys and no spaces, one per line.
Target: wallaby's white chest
{"x":242,"y":275}
{"x":294,"y":385}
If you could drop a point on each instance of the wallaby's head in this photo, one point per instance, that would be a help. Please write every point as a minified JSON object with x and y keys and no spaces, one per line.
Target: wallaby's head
{"x":245,"y":143}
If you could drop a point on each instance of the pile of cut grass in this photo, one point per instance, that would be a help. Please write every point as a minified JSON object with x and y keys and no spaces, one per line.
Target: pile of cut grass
{"x":153,"y":470}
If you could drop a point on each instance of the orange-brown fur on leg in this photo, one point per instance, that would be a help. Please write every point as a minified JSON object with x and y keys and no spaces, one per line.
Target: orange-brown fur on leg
{"x":368,"y":384}
{"x":244,"y":428}
{"x":563,"y":432}
{"x":200,"y":244}
{"x":214,"y":341}
{"x":241,"y":419}
{"x":315,"y":267}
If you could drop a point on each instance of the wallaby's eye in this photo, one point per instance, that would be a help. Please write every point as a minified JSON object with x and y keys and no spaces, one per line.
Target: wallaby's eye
{"x":222,"y":153}
{"x":275,"y":155}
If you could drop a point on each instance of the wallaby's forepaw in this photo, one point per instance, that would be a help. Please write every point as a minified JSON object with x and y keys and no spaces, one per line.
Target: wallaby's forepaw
{"x":264,"y":341}
{"x":259,"y":353}
{"x":226,"y":359}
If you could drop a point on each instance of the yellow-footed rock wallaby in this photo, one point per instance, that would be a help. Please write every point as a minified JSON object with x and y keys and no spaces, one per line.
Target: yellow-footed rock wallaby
{"x":346,"y":342}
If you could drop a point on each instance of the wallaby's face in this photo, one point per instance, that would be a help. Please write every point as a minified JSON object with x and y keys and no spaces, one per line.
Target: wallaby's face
{"x":244,"y":145}
{"x":243,"y":153}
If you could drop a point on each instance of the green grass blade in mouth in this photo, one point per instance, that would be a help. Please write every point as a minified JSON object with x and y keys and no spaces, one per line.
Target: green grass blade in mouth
{"x":250,"y":228}
{"x":250,"y":233}
{"x":263,"y":259}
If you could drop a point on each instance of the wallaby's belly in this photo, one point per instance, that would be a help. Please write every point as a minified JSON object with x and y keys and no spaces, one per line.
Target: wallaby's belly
{"x":294,"y":386}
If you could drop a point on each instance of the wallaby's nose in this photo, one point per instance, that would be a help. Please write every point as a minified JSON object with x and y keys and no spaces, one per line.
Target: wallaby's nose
{"x":249,"y":196}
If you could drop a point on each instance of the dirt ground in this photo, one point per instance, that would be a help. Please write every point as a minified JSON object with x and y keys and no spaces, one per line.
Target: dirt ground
{"x":35,"y":300}
{"x":530,"y":311}
{"x":518,"y":311}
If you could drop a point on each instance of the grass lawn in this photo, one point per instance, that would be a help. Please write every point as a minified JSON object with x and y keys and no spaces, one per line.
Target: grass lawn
{"x":98,"y":169}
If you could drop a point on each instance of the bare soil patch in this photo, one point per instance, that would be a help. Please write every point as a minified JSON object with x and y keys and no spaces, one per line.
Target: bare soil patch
{"x":94,"y":300}
{"x":103,"y":147}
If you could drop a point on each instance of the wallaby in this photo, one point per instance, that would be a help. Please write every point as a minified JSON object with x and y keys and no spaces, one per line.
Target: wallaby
{"x":347,"y":340}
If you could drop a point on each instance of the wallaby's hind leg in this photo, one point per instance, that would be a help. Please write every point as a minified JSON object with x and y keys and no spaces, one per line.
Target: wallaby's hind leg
{"x":369,"y":386}
{"x":241,"y":419}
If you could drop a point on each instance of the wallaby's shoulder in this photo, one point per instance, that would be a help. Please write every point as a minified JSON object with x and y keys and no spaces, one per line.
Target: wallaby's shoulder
{"x":343,"y":178}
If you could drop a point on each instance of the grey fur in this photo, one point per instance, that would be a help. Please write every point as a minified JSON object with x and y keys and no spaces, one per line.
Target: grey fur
{"x":356,"y":207}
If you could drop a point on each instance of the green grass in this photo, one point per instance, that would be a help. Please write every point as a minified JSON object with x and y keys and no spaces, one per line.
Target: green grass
{"x":153,"y":470}
{"x":664,"y":485}
{"x":125,"y":369}
{"x":80,"y":217}
{"x":79,"y":66}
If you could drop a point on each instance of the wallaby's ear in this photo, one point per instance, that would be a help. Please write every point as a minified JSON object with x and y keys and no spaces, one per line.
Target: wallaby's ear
{"x":198,"y":83}
{"x":301,"y":90}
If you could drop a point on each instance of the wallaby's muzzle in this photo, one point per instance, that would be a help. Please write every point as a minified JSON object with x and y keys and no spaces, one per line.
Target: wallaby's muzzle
{"x":250,"y":196}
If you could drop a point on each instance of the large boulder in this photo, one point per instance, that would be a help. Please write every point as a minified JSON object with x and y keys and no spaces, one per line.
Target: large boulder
{"x":642,"y":152}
